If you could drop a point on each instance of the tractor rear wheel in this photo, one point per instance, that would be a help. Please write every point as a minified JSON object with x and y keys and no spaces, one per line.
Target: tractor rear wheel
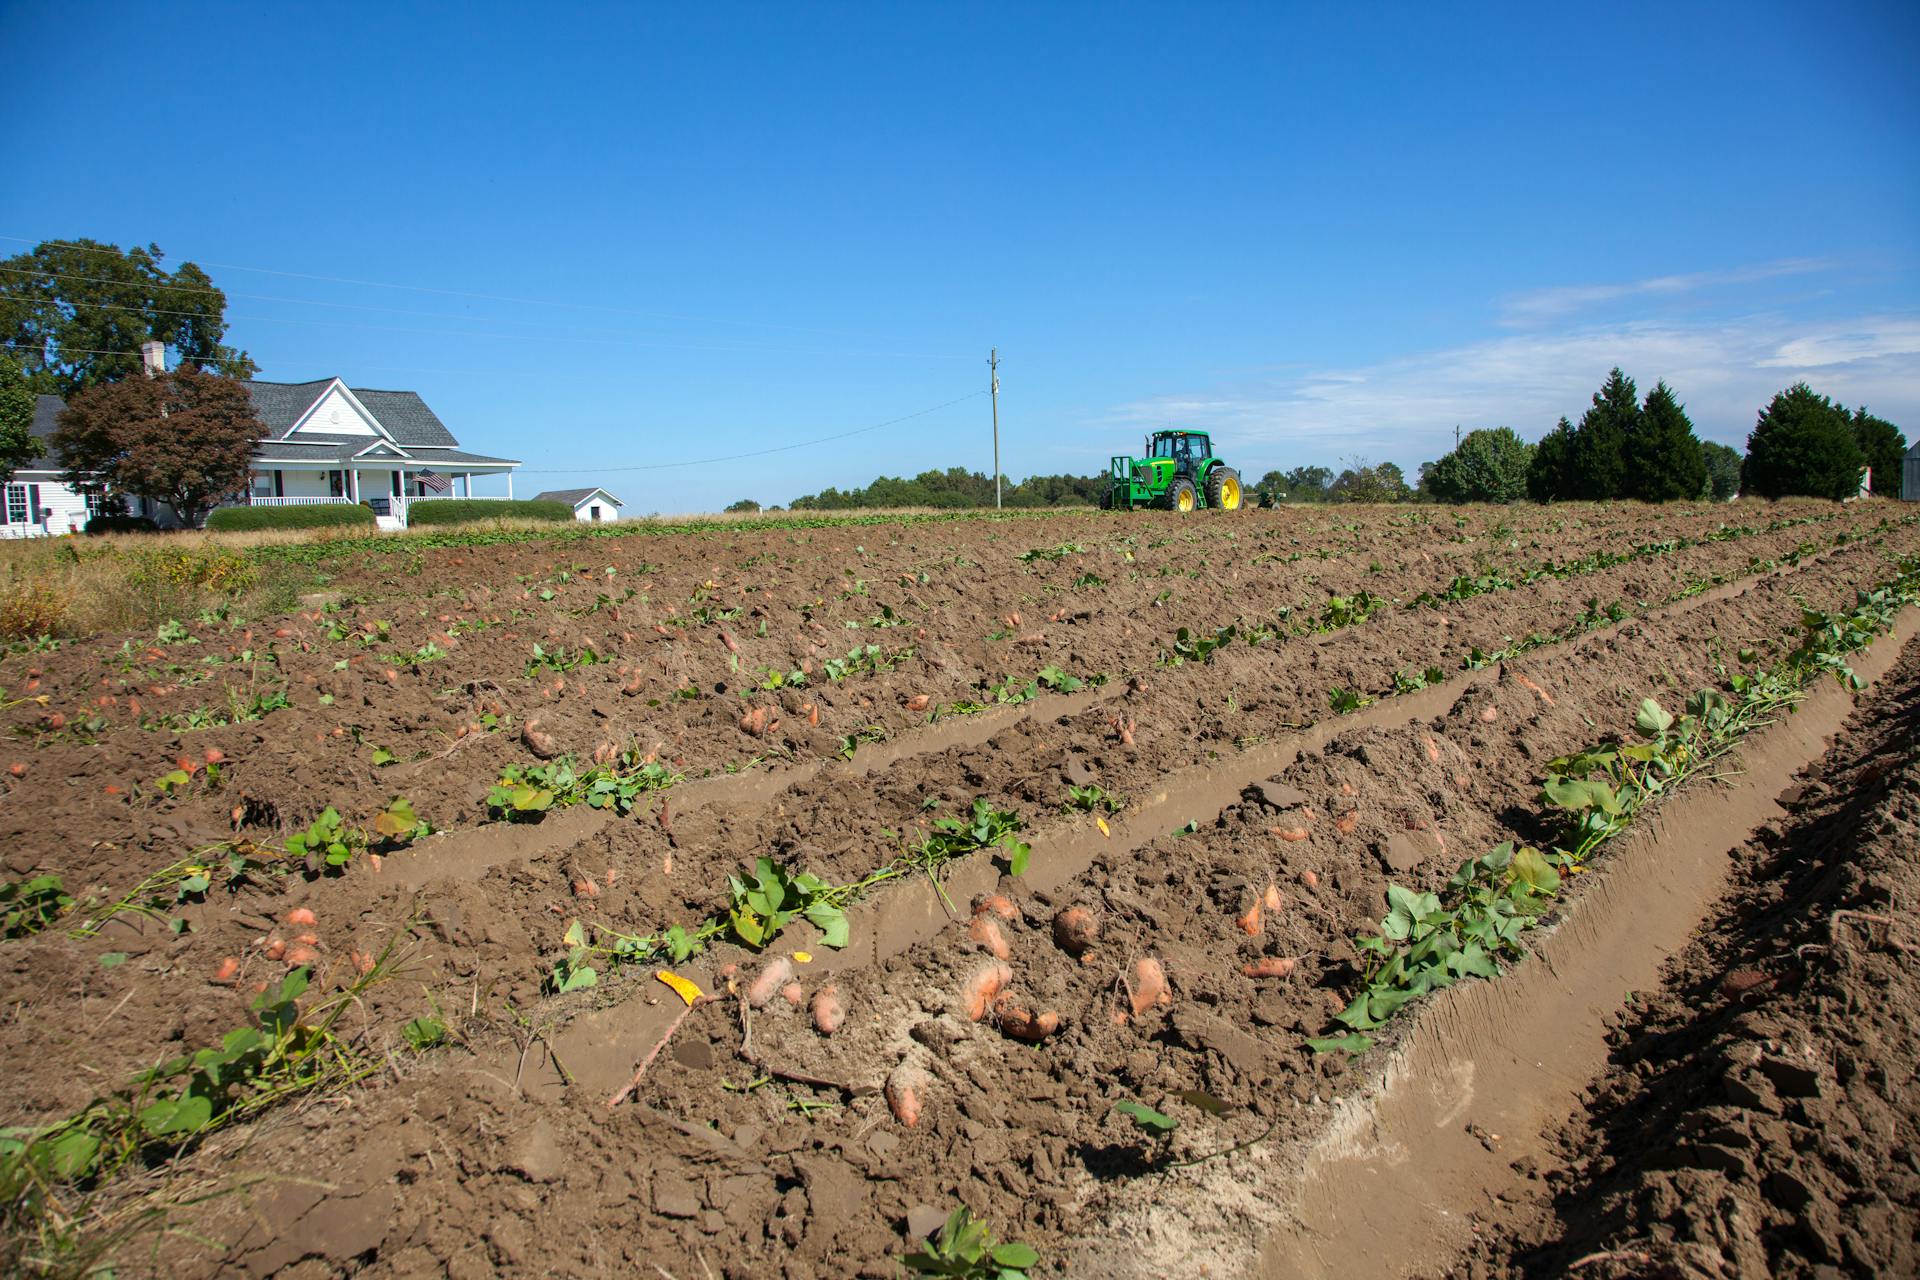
{"x":1106,"y":498}
{"x":1223,"y":489}
{"x":1180,"y":496}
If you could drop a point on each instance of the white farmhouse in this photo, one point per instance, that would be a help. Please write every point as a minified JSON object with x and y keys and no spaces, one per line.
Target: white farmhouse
{"x":588,"y":504}
{"x":326,"y":442}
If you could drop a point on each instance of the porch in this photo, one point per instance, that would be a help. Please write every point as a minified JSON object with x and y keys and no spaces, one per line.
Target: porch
{"x":388,"y":490}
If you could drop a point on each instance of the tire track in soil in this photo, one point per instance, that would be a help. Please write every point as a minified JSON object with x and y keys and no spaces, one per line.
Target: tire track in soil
{"x":1485,"y":1068}
{"x":1755,"y":1117}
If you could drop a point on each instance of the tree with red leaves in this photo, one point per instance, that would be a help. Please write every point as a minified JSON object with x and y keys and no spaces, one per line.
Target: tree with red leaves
{"x":184,"y":438}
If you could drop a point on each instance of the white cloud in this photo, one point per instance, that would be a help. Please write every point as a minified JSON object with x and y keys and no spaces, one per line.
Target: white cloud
{"x":1538,"y":306}
{"x":1405,"y":409}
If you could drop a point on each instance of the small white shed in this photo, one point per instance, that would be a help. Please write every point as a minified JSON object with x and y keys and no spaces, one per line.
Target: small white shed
{"x":1910,"y":475}
{"x":590,"y":505}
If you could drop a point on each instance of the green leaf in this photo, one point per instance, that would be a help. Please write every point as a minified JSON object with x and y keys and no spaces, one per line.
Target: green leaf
{"x":1018,"y":852}
{"x":1530,"y":867}
{"x":1154,"y":1122}
{"x":382,"y":756}
{"x":71,"y":1155}
{"x":1652,"y":719}
{"x":1016,"y":1255}
{"x":185,"y":1114}
{"x":832,"y":923}
{"x":1352,"y":1042}
{"x":108,"y":959}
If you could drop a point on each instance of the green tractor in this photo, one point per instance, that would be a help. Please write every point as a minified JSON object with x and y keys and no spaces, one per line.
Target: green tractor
{"x":1179,"y":473}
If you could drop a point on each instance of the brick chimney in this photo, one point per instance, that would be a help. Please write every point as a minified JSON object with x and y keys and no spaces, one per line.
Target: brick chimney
{"x":153,"y":357}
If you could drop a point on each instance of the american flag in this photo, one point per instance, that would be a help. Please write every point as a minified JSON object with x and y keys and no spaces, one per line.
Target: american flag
{"x":435,"y":481}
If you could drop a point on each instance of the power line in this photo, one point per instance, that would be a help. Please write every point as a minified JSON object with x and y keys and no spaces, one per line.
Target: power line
{"x":757,"y":453}
{"x":463,"y":293}
{"x":613,"y":340}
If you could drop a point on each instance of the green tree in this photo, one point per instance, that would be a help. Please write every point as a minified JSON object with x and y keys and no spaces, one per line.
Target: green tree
{"x":744,"y":505}
{"x":184,"y":438}
{"x":1664,"y":461}
{"x":1363,"y":483}
{"x":1884,"y":447}
{"x":1802,"y":444}
{"x":1550,"y":473}
{"x":18,"y":444}
{"x":1602,"y":440}
{"x":1309,"y":484}
{"x":74,"y":314}
{"x":1723,"y":470}
{"x":1489,"y":465}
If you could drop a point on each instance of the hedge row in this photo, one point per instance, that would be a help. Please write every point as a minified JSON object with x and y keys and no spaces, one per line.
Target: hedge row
{"x":464,"y":510}
{"x":120,"y":524}
{"x":320,"y":515}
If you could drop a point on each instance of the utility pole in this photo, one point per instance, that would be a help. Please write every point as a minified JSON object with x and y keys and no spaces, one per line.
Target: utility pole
{"x":993,"y":368}
{"x":1456,"y":435}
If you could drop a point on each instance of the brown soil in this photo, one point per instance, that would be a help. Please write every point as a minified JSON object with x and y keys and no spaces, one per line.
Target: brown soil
{"x":1756,"y":1116}
{"x":754,"y":1145}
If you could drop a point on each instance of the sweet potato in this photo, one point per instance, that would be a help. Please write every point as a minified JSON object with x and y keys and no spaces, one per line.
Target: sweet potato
{"x":1075,"y":930}
{"x":988,"y":981}
{"x":1022,"y":1023}
{"x":829,"y":1011}
{"x":777,"y":973}
{"x":985,"y":932}
{"x":1310,"y":879}
{"x":792,"y":994}
{"x":226,"y":970}
{"x":919,"y":702}
{"x":1271,"y":967}
{"x":539,"y":742}
{"x":1249,"y":920}
{"x":1272,"y":899}
{"x":1292,"y":835}
{"x":998,"y":904}
{"x":302,"y":915}
{"x":1150,"y":985}
{"x":906,"y":1089}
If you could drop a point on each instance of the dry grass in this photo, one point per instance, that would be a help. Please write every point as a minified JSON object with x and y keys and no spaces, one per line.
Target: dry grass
{"x":67,"y":587}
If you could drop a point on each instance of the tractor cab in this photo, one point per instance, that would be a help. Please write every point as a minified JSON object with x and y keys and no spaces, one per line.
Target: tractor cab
{"x":1186,"y":449}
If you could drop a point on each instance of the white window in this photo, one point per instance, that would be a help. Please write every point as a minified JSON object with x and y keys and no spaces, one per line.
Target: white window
{"x":262,"y":485}
{"x":17,"y":512}
{"x":92,"y":499}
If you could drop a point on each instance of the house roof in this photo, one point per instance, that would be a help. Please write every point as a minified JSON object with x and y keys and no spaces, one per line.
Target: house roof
{"x":403,"y":413}
{"x":344,"y":449}
{"x":574,"y":497}
{"x":46,"y":419}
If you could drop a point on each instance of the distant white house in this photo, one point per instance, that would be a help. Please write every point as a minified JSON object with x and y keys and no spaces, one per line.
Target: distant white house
{"x":326,"y":442}
{"x":587,"y":504}
{"x":38,"y":502}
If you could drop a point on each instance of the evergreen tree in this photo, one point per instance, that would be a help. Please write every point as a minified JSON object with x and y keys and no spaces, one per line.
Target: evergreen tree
{"x":1802,"y":444}
{"x":1664,"y":461}
{"x":1550,"y":474}
{"x":1884,"y":448}
{"x":1723,"y":470}
{"x":1602,"y":440}
{"x":1489,"y":465}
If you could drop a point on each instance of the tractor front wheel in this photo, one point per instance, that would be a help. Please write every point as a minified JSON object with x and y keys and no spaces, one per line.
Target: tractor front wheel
{"x":1223,"y":489}
{"x":1181,"y":495}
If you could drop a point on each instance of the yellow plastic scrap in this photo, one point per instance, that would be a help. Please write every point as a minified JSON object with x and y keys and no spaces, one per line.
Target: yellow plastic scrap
{"x":803,"y":957}
{"x":686,"y":990}
{"x":1102,"y":824}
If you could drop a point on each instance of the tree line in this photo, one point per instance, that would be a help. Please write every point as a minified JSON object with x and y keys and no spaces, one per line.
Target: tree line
{"x":1803,"y":444}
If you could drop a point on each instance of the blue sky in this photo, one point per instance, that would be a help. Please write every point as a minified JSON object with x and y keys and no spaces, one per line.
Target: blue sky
{"x":633,"y":234}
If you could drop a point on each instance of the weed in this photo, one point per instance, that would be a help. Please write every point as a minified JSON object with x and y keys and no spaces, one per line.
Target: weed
{"x":28,"y":906}
{"x":966,"y":1248}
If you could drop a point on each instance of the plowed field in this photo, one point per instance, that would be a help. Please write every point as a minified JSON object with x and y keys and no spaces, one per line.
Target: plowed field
{"x":1002,"y":818}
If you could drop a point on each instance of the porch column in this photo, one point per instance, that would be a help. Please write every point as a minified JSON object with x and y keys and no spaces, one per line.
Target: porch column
{"x":509,"y":486}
